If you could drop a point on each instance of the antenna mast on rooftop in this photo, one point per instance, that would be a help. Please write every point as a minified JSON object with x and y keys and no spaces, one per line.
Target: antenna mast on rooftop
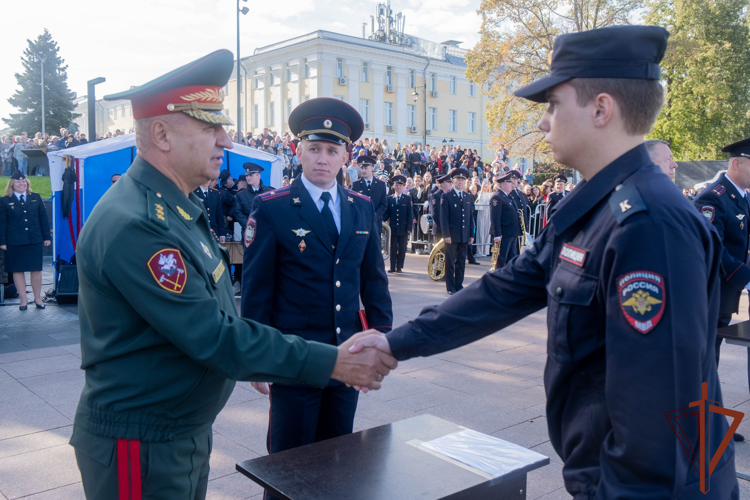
{"x":390,"y":28}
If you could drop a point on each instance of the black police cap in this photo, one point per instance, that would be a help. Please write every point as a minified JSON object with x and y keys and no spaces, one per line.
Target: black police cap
{"x":741,"y":148}
{"x":366,"y":160}
{"x":252,"y":168}
{"x":325,"y":119}
{"x":628,"y":52}
{"x":399,"y":179}
{"x":17,"y":175}
{"x":443,"y":178}
{"x":460,"y":173}
{"x":506,"y":177}
{"x":224,"y":175}
{"x":242,"y":178}
{"x":561,"y":177}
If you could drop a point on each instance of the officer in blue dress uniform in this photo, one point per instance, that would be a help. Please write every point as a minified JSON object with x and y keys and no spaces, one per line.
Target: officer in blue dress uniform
{"x":243,"y":202}
{"x":629,"y":274}
{"x":504,"y":221}
{"x":372,"y":187}
{"x":519,"y":199}
{"x":457,"y":224}
{"x":212,"y":202}
{"x":444,"y":183}
{"x":399,"y":214}
{"x":557,"y":196}
{"x":227,"y":191}
{"x":312,"y":252}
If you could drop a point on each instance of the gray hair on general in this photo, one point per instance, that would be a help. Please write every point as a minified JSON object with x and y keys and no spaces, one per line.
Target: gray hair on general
{"x":652,"y":143}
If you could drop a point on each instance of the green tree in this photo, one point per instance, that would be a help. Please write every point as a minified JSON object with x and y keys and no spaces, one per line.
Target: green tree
{"x":58,"y":99}
{"x":706,"y":71}
{"x":517,"y":37}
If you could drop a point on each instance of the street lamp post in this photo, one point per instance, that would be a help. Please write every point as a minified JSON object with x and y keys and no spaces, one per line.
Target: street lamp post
{"x":92,"y":106}
{"x":415,"y":98}
{"x":244,"y":11}
{"x":42,"y":58}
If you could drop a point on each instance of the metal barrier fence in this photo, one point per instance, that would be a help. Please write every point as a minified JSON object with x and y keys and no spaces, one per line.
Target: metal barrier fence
{"x":536,"y":224}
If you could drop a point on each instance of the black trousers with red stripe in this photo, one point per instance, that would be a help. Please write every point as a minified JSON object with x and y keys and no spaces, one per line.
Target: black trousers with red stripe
{"x":119,"y":469}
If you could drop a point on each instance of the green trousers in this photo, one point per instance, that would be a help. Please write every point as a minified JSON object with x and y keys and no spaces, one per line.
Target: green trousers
{"x":117,"y":469}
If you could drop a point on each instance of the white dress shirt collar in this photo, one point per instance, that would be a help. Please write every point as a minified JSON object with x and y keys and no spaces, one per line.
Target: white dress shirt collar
{"x":741,"y":192}
{"x":315,"y":191}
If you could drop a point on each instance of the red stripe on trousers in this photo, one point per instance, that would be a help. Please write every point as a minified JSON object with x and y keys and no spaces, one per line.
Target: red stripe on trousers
{"x":129,"y":469}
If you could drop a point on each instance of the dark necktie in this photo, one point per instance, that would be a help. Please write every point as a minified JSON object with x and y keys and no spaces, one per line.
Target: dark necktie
{"x":333,"y":232}
{"x":461,"y":196}
{"x":368,"y":184}
{"x":23,"y":198}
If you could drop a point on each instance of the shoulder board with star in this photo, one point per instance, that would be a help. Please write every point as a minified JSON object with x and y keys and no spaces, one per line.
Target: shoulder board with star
{"x":359,"y":195}
{"x":625,"y":201}
{"x":276,"y":193}
{"x":719,"y":190}
{"x":157,"y":210}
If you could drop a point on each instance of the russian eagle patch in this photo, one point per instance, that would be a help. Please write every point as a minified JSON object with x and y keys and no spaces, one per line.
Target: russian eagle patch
{"x":642,"y":299}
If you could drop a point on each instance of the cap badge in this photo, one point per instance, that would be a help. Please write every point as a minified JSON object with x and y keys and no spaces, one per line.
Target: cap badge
{"x":328,"y":124}
{"x":170,"y":107}
{"x":300,"y":232}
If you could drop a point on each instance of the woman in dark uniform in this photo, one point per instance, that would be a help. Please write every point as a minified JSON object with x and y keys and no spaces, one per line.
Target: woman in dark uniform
{"x":24,"y":227}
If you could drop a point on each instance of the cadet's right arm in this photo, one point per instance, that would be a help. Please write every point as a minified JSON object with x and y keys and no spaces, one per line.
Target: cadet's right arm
{"x":239,"y":212}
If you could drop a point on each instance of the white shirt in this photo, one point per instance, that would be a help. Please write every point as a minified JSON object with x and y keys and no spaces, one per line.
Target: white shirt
{"x":459,"y":193}
{"x":18,"y":195}
{"x":740,"y":192}
{"x":334,"y":205}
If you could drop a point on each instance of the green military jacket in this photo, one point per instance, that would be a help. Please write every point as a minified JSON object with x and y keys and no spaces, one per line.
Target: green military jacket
{"x":161,"y":340}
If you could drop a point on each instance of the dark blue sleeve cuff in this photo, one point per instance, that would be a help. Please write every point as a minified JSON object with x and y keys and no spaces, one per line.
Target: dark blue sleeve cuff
{"x":403,"y":342}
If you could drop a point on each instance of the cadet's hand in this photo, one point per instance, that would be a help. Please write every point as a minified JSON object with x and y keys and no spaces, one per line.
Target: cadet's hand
{"x":497,"y":239}
{"x":222,"y":239}
{"x":371,"y":338}
{"x":3,"y":247}
{"x":363,"y":369}
{"x":47,"y":243}
{"x":262,"y":387}
{"x":471,"y":241}
{"x":447,"y":240}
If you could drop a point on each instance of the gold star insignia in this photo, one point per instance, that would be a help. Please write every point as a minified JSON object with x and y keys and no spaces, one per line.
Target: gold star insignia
{"x":641,"y":302}
{"x":732,"y":195}
{"x":295,"y":200}
{"x":300,"y":232}
{"x":351,"y":200}
{"x":184,"y":214}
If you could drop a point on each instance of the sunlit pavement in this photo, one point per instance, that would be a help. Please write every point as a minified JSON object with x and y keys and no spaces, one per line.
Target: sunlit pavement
{"x":493,"y":386}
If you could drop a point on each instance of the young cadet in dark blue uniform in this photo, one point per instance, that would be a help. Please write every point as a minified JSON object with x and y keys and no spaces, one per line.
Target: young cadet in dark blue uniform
{"x":399,"y":214}
{"x":504,"y":221}
{"x":373,"y":188}
{"x":312,"y":252}
{"x":243,"y":202}
{"x":212,"y":201}
{"x":629,"y":274}
{"x":457,"y":224}
{"x":227,"y":191}
{"x":444,"y":183}
{"x":556,"y":196}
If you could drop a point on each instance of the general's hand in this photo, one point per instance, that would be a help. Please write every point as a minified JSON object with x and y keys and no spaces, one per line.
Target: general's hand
{"x":262,"y":387}
{"x":3,"y":247}
{"x":471,"y":241}
{"x":447,"y":240}
{"x":371,"y":338}
{"x":497,"y":239}
{"x":365,"y":368}
{"x":47,"y":243}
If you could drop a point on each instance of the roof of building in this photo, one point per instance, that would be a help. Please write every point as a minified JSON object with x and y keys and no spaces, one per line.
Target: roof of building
{"x":690,"y":173}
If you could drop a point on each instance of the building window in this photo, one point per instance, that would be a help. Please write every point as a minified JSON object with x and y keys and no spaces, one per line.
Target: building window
{"x":288,"y":109}
{"x":288,"y":74}
{"x":365,"y":72}
{"x":453,"y":85}
{"x":433,"y":82}
{"x":411,"y":115}
{"x":364,"y":110}
{"x":472,"y":90}
{"x":452,"y":119}
{"x":271,"y":79}
{"x":389,"y":75}
{"x":257,"y":81}
{"x":340,"y":98}
{"x":432,"y":118}
{"x":339,"y":68}
{"x":388,"y":114}
{"x":307,"y":69}
{"x":472,"y":122}
{"x":271,"y":115}
{"x":412,"y":79}
{"x":255,"y":116}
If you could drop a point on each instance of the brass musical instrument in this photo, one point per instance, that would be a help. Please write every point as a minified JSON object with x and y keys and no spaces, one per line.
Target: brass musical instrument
{"x":436,"y":262}
{"x":522,"y":240}
{"x":385,"y":240}
{"x":495,"y":254}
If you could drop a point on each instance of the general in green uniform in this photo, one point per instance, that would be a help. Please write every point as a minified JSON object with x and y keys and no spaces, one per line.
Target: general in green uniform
{"x":161,"y":340}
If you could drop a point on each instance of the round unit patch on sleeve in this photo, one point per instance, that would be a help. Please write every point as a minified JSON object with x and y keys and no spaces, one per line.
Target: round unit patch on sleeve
{"x":708,"y":212}
{"x":168,"y":269}
{"x":642,"y":299}
{"x":250,"y":231}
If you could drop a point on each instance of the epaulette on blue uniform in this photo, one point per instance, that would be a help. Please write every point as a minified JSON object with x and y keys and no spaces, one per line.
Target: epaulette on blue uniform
{"x":626,"y":201}
{"x":719,"y":190}
{"x":359,"y":195}
{"x":277,"y":193}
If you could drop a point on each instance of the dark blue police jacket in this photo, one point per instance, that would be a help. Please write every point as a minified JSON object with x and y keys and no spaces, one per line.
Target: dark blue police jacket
{"x":456,"y":216}
{"x":552,"y":200}
{"x":630,"y":279}
{"x":23,"y":223}
{"x":434,"y":203}
{"x":294,"y":281}
{"x":504,"y":221}
{"x":400,"y":216}
{"x":724,"y":207}
{"x":376,"y":192}
{"x":213,"y":206}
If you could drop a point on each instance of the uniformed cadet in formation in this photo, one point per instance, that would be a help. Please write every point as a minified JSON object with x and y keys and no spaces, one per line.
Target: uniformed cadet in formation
{"x":243,"y":201}
{"x":504,"y":221}
{"x":312,"y":252}
{"x":519,"y":198}
{"x":725,"y":205}
{"x":629,"y":274}
{"x":457,"y":225}
{"x":372,"y":187}
{"x":400,"y":216}
{"x":227,"y":191}
{"x":161,"y":341}
{"x":212,"y":201}
{"x":558,"y":194}
{"x":443,"y":184}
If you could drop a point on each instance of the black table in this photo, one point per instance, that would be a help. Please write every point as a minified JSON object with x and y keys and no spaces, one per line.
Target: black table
{"x":737,"y":334}
{"x":382,"y":463}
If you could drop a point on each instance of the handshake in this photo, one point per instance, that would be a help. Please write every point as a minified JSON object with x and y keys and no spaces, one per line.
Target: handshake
{"x":363,"y":362}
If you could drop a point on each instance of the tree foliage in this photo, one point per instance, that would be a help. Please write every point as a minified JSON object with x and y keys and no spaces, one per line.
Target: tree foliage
{"x":706,"y":71}
{"x":517,"y":37}
{"x":58,"y":99}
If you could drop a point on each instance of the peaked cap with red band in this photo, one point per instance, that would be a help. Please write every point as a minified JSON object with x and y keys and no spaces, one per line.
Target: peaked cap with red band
{"x":325,"y":119}
{"x":193,"y":89}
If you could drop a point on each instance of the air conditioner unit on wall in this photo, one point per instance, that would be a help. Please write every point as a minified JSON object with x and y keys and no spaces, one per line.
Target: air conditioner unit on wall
{"x":413,"y":129}
{"x":367,"y":125}
{"x":342,"y":80}
{"x":428,"y":131}
{"x":434,"y":93}
{"x":390,"y":128}
{"x":389,"y":88}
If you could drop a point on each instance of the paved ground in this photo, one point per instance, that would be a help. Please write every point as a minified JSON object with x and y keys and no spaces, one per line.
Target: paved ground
{"x":493,"y":386}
